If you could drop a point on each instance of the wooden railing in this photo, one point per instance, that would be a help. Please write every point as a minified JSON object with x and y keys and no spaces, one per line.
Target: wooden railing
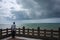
{"x":34,"y":33}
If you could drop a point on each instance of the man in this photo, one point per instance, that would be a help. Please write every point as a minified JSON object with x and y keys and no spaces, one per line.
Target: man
{"x":13,"y":30}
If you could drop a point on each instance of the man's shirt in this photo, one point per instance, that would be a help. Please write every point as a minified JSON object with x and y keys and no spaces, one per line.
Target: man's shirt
{"x":13,"y":27}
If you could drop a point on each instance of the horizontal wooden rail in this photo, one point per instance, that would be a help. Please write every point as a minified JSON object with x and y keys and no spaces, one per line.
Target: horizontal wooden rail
{"x":32,"y":32}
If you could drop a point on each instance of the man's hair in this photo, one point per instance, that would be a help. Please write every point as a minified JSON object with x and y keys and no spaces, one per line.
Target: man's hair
{"x":13,"y":22}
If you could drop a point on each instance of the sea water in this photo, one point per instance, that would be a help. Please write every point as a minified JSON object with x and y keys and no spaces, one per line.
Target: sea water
{"x":54,"y":26}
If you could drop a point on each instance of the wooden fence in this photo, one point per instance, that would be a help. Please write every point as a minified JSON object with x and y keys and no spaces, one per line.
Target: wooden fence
{"x":33,"y":33}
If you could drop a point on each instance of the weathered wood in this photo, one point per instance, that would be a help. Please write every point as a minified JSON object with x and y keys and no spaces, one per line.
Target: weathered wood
{"x":38,"y":29}
{"x":32,"y":32}
{"x":19,"y":31}
{"x":44,"y":33}
{"x":28,"y":31}
{"x":51,"y":33}
{"x":7,"y":31}
{"x":59,"y":33}
{"x":0,"y":33}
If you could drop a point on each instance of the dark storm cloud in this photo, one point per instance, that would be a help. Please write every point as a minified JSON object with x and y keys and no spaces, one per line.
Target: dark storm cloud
{"x":52,"y":7}
{"x":44,"y":10}
{"x":21,"y":15}
{"x":38,"y":9}
{"x":1,"y":0}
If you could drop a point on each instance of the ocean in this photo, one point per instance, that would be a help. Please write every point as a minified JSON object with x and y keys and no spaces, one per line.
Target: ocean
{"x":54,"y":26}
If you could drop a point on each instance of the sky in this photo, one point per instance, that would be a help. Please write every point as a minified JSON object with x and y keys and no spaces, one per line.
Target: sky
{"x":29,"y":11}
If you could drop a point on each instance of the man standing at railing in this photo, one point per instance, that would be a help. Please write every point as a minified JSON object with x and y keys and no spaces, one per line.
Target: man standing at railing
{"x":13,"y":30}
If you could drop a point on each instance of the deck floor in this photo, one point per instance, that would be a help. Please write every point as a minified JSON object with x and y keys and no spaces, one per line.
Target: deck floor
{"x":20,"y":38}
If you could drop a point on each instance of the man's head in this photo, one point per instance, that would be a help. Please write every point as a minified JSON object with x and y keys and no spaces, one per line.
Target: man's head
{"x":13,"y":22}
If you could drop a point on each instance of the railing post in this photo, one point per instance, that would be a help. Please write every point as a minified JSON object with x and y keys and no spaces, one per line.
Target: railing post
{"x":19,"y":31}
{"x":38,"y":29}
{"x":32,"y":32}
{"x":23,"y":31}
{"x":28,"y":31}
{"x":7,"y":32}
{"x":44,"y":33}
{"x":0,"y":33}
{"x":51,"y":34}
{"x":59,"y":33}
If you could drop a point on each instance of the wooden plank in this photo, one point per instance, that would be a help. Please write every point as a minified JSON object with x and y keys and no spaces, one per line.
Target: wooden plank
{"x":28,"y":31}
{"x":19,"y":31}
{"x":0,"y":33}
{"x":51,"y":33}
{"x":7,"y":31}
{"x":59,"y":33}
{"x":38,"y":30}
{"x":33,"y":32}
{"x":44,"y":33}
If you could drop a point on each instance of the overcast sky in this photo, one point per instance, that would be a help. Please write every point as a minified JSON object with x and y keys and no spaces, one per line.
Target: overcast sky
{"x":30,"y":11}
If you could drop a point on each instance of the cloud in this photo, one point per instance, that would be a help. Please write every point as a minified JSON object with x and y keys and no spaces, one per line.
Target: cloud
{"x":32,"y":8}
{"x":9,"y":6}
{"x":6,"y":6}
{"x":39,"y":9}
{"x":49,"y":20}
{"x":29,"y":9}
{"x":51,"y":8}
